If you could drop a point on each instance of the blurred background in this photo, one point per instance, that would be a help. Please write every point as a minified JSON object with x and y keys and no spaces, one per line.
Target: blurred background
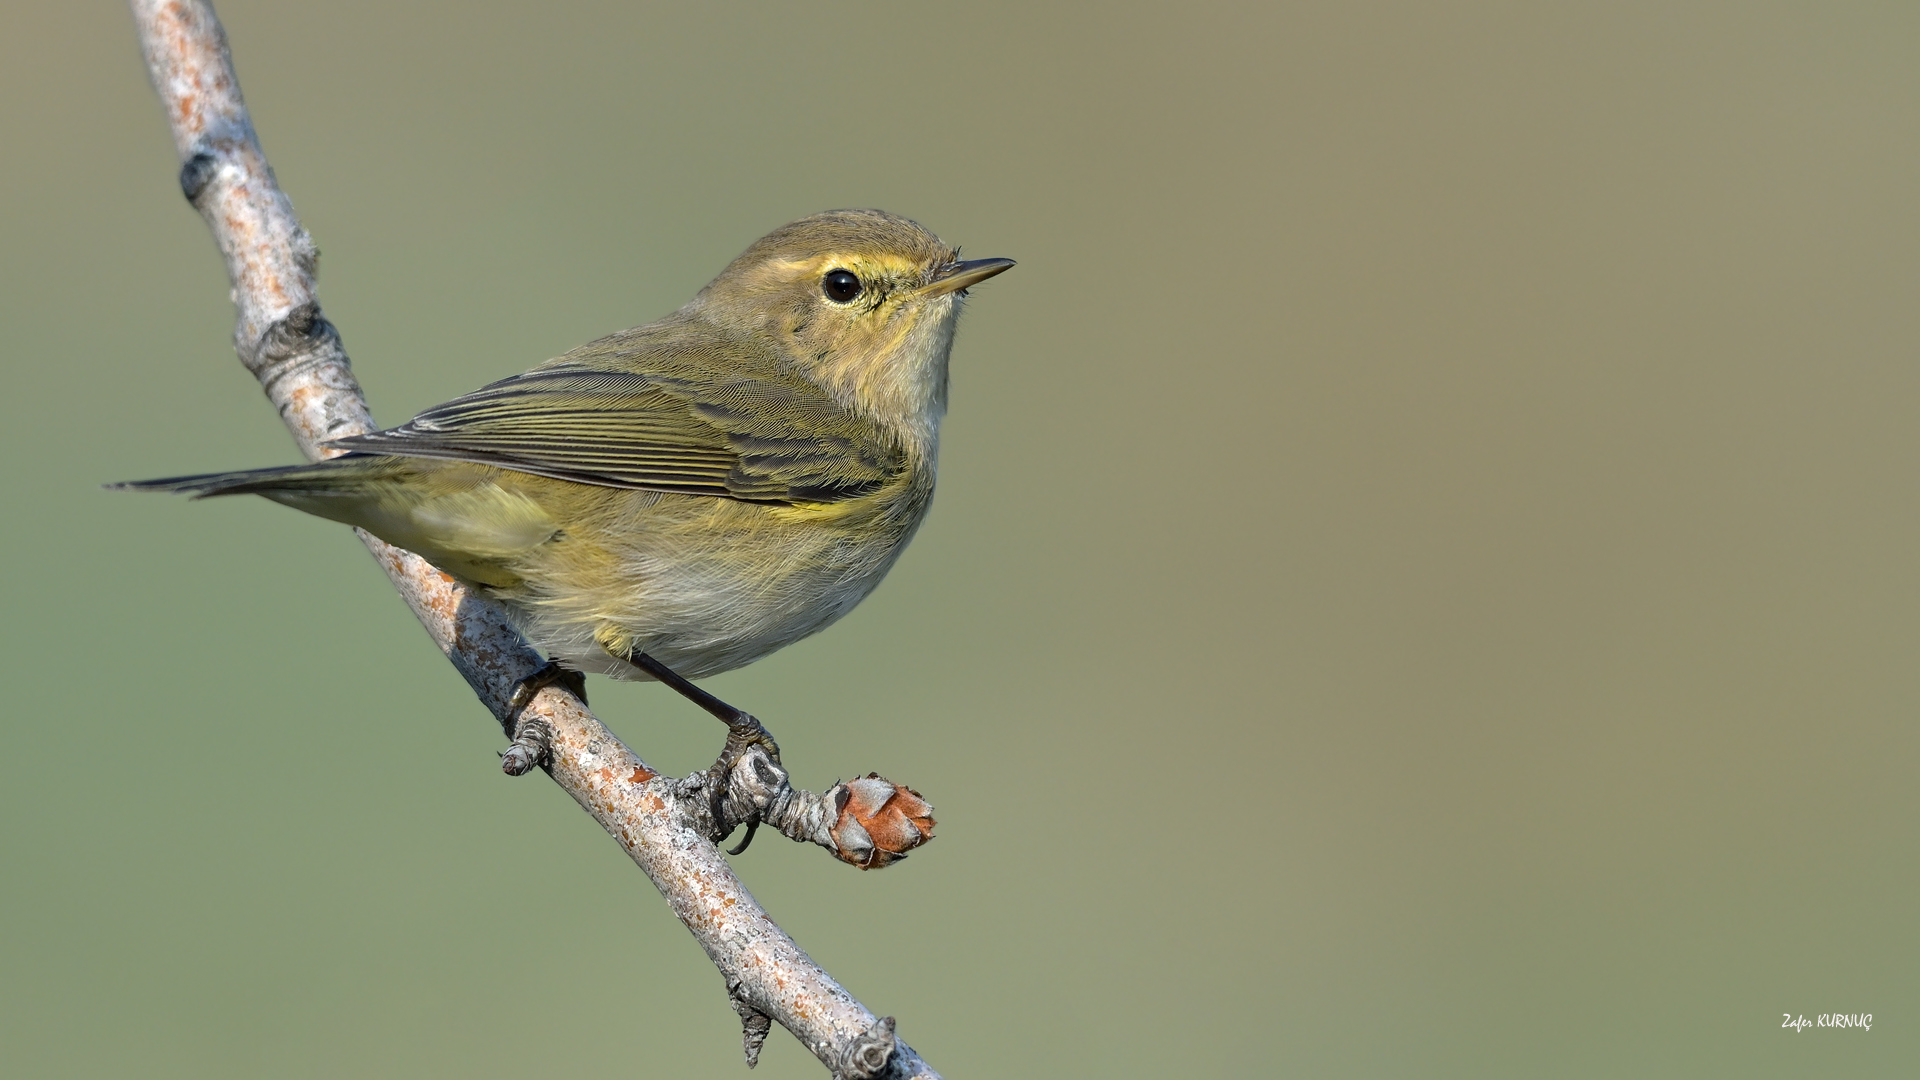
{"x":1423,"y":582}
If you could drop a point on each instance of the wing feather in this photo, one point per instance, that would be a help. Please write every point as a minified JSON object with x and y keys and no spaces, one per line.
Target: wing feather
{"x":764,"y":437}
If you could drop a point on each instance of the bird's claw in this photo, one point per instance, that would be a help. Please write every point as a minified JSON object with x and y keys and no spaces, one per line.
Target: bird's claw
{"x":744,"y":732}
{"x":546,"y":675}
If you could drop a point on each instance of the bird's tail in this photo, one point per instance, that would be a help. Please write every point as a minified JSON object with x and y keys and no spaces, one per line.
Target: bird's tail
{"x":332,"y":477}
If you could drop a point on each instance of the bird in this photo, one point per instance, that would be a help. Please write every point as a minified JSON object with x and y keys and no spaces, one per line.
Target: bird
{"x":682,"y":498}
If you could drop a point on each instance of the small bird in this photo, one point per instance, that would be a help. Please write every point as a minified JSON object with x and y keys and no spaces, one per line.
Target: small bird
{"x":685,"y":497}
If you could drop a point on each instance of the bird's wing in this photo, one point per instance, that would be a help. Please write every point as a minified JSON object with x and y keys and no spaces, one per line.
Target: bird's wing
{"x":759,"y":438}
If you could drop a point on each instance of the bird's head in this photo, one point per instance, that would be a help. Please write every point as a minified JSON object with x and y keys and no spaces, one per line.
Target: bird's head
{"x":862,"y":303}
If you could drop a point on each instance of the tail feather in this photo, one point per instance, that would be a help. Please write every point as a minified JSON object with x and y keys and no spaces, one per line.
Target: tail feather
{"x":320,"y":478}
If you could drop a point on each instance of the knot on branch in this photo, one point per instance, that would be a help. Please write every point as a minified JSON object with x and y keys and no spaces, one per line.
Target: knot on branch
{"x":755,"y":789}
{"x":195,"y":174}
{"x":868,"y":822}
{"x":300,"y":357}
{"x":298,"y":334}
{"x":871,"y":1054}
{"x":754,"y":1024}
{"x":223,"y":159}
{"x":532,"y":746}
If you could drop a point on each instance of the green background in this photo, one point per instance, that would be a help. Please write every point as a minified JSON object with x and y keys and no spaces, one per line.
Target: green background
{"x":1423,"y":582}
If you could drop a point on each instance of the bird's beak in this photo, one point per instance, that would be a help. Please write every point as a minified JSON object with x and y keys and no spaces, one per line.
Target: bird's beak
{"x":960,"y":275}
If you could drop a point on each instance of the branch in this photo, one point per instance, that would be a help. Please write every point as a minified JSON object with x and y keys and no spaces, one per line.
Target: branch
{"x":666,"y":826}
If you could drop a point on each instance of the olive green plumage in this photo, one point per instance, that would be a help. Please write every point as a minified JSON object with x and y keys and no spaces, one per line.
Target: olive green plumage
{"x":705,"y":488}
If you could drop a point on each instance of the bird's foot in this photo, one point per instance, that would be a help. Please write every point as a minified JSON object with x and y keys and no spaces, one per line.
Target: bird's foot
{"x":532,"y":736}
{"x":744,"y":734}
{"x":546,"y":675}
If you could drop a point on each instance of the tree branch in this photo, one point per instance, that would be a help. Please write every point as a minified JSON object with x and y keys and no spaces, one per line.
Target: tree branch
{"x":666,"y":826}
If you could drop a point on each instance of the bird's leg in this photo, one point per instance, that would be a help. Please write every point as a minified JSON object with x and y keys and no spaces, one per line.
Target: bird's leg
{"x":743,"y":733}
{"x":743,"y":730}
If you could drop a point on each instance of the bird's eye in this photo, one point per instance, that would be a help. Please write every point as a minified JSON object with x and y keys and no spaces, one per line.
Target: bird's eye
{"x":840,"y":286}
